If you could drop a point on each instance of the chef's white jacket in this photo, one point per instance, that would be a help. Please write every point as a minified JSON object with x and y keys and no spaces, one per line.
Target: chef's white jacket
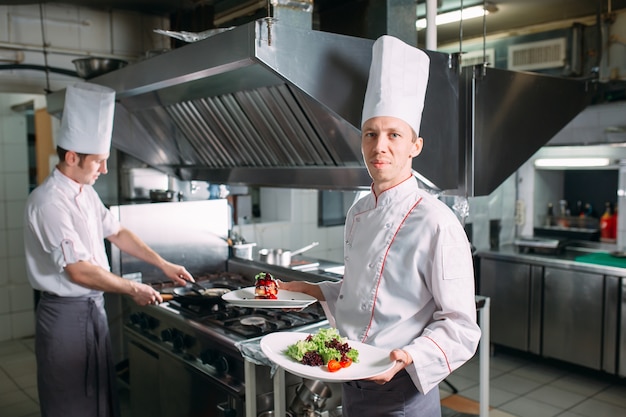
{"x":408,"y":283}
{"x":64,"y":224}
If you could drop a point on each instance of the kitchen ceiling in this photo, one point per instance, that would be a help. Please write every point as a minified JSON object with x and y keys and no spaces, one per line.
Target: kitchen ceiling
{"x":511,"y":14}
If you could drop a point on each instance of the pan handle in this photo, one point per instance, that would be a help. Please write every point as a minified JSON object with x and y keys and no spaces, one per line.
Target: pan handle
{"x":304,"y":249}
{"x":167,"y":297}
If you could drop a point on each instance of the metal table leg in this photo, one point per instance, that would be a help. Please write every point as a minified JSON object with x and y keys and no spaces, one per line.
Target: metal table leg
{"x":483,"y":359}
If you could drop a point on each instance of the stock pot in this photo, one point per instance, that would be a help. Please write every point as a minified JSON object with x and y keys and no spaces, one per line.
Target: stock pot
{"x":282,"y":257}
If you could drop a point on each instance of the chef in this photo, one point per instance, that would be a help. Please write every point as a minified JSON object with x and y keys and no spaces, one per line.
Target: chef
{"x":65,"y":227}
{"x":409,"y":281}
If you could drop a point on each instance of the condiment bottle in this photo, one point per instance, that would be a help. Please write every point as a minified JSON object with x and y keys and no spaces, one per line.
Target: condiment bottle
{"x":607,"y":222}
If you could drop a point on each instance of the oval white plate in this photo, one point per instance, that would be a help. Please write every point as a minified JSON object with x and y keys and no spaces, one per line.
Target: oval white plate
{"x":372,"y":360}
{"x":244,"y":297}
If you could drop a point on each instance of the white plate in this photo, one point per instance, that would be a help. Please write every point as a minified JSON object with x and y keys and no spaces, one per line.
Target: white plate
{"x":286,"y":299}
{"x":372,"y":360}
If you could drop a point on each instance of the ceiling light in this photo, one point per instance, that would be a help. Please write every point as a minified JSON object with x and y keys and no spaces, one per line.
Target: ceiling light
{"x":572,"y":162}
{"x":457,"y":15}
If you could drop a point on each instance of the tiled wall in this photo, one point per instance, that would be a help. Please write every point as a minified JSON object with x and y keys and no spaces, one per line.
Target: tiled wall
{"x":293,"y":224}
{"x":16,"y":295}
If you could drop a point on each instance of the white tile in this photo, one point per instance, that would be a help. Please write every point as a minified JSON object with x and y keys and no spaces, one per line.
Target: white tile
{"x":4,"y":272}
{"x":14,"y":157}
{"x":595,"y":408}
{"x":22,"y":324}
{"x":5,"y":327}
{"x":13,"y":128}
{"x":17,"y":270}
{"x":15,"y":214}
{"x":2,"y":181}
{"x":524,"y":407}
{"x":21,"y":298}
{"x":15,"y":186}
{"x":5,"y":305}
{"x":615,"y":395}
{"x":556,"y":396}
{"x":514,"y":383}
{"x":15,"y":242}
{"x":580,"y":384}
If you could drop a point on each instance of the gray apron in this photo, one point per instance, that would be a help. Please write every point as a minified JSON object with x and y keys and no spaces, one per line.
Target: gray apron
{"x":75,"y":373}
{"x":397,"y":398}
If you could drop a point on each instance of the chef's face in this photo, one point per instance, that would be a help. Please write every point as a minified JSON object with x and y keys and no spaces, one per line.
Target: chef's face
{"x":89,"y":167}
{"x":388,"y":145}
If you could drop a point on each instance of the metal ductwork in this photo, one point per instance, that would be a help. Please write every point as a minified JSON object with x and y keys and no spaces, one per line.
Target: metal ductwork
{"x":268,"y":103}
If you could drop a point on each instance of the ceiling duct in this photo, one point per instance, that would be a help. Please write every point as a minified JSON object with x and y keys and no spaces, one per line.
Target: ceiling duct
{"x":268,"y":103}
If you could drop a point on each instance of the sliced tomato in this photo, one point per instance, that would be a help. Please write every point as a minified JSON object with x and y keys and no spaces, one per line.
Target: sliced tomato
{"x":334,"y":365}
{"x":346,"y":363}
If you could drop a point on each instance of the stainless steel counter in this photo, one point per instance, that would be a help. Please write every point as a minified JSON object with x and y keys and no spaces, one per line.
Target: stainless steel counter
{"x":566,"y":259}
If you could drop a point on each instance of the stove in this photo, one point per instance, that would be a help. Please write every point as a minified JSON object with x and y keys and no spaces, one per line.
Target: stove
{"x":195,"y":345}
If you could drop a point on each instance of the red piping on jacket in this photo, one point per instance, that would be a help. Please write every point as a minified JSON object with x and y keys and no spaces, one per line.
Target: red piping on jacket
{"x":443,"y":352}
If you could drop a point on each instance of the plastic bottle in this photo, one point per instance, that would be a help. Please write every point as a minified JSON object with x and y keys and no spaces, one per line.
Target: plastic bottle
{"x":606,"y":222}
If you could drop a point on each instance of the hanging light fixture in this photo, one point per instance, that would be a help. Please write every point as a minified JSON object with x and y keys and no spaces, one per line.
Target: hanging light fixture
{"x":458,"y":15}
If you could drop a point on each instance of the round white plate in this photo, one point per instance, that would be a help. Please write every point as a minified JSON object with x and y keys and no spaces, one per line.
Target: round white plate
{"x":372,"y":360}
{"x":244,"y":297}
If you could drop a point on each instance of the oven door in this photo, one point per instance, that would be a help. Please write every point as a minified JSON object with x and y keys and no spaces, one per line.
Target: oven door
{"x":163,"y":385}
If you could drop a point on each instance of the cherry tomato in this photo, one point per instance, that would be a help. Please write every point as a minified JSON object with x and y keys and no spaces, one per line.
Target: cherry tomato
{"x":334,"y":365}
{"x":346,"y":363}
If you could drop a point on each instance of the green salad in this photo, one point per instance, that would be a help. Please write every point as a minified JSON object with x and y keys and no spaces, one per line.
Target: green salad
{"x":326,"y":347}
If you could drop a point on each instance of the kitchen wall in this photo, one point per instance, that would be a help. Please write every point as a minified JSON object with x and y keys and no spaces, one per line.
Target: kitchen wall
{"x":16,"y":295}
{"x":599,"y":130}
{"x":290,"y":219}
{"x":70,"y":32}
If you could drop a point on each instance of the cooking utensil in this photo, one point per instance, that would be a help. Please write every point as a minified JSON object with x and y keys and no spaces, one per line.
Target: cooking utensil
{"x":91,"y":67}
{"x":282,"y":257}
{"x":189,"y":296}
{"x":161,"y":196}
{"x":310,"y":394}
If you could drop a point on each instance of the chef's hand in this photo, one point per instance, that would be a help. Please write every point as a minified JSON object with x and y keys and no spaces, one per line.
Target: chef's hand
{"x":401,"y":360}
{"x":177,"y":273}
{"x":302,"y":286}
{"x":143,"y":294}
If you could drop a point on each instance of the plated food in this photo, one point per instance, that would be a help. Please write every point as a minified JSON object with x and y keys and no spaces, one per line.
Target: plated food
{"x":324,"y":348}
{"x":265,"y":294}
{"x":372,"y":361}
{"x":265,"y":286}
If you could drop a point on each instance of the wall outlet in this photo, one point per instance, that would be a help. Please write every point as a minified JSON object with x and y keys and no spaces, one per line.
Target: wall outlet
{"x":520,"y":210}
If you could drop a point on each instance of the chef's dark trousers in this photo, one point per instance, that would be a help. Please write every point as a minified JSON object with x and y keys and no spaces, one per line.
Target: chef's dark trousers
{"x":396,"y":398}
{"x":75,"y":371}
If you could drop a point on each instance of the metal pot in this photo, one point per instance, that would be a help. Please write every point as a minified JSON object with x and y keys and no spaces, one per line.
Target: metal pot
{"x":310,"y":395}
{"x":161,"y":196}
{"x":282,"y":257}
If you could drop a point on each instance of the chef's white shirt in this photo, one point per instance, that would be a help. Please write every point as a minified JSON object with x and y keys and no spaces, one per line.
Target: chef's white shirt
{"x":408,"y":283}
{"x":64,"y":223}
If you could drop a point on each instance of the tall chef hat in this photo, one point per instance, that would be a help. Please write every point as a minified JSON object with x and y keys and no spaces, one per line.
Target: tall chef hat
{"x":87,"y":122}
{"x":397,"y":82}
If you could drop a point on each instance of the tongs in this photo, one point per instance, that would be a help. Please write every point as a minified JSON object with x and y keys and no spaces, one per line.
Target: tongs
{"x":195,"y":287}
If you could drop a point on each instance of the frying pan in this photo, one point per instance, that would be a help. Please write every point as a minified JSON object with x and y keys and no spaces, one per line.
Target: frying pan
{"x":188,"y":296}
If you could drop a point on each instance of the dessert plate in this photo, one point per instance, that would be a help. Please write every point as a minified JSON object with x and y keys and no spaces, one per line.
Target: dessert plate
{"x":244,"y":297}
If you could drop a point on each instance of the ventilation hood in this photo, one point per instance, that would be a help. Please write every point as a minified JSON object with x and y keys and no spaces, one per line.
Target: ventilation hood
{"x":276,"y":105}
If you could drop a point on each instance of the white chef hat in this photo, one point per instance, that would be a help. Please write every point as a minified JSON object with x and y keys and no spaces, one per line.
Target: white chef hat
{"x":87,"y":122}
{"x":397,"y":82}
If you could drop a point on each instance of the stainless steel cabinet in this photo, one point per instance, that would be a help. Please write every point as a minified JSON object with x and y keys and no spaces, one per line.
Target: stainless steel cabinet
{"x":573,"y":316}
{"x":515,"y":292}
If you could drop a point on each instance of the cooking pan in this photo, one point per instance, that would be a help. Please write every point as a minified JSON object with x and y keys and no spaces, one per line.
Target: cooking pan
{"x":282,"y":257}
{"x":190,"y":296}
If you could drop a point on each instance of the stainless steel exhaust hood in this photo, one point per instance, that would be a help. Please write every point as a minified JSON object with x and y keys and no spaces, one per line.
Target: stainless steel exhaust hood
{"x":271,"y":104}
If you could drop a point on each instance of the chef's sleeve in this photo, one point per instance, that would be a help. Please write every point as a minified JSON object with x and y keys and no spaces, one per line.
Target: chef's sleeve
{"x":453,"y":335}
